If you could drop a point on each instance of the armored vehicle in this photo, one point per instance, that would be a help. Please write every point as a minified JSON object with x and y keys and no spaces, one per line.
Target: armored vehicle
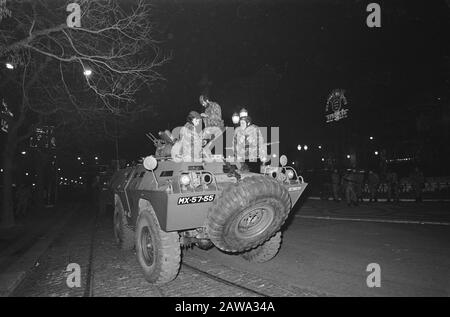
{"x":162,"y":206}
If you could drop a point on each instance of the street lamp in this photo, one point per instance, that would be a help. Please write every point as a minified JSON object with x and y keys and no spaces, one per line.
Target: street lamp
{"x":96,"y":158}
{"x":79,"y":158}
{"x":348,"y":156}
{"x":376,"y":152}
{"x":299,"y":147}
{"x":320,"y":147}
{"x":371,"y":138}
{"x":9,"y":66}
{"x":24,"y":152}
{"x":305,"y":147}
{"x":87,"y":72}
{"x":323,"y":159}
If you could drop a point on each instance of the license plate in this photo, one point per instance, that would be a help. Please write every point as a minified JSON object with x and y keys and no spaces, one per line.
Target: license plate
{"x":291,"y":189}
{"x":196,"y":199}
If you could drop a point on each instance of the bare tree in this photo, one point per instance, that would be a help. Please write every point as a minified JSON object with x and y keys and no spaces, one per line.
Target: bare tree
{"x":72,"y":75}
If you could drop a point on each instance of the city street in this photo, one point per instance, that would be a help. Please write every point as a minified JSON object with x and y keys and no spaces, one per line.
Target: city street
{"x":224,"y":133}
{"x":326,"y":250}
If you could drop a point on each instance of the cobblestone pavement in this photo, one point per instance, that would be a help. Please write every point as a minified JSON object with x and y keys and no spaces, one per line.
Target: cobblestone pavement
{"x":15,"y":242}
{"x":117,"y":273}
{"x":72,"y":246}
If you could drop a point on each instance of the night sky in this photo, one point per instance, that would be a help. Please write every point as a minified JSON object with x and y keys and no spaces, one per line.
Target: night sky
{"x":310,"y":47}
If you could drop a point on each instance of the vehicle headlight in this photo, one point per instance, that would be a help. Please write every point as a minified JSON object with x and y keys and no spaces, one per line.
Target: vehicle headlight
{"x":185,"y":179}
{"x":150,"y":163}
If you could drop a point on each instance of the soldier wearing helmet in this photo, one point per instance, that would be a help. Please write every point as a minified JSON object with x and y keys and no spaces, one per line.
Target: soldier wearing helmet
{"x":190,"y":145}
{"x":248,"y":143}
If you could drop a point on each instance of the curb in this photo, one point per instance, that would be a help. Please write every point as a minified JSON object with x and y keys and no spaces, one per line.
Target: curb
{"x":385,"y":199}
{"x":18,"y":270}
{"x":396,"y":221}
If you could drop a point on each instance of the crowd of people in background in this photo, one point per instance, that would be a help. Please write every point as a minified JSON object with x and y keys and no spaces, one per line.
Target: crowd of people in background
{"x":352,"y":185}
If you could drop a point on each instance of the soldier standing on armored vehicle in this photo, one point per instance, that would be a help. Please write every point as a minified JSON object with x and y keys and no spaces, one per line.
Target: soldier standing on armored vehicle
{"x":191,"y":138}
{"x":212,"y":117}
{"x":248,"y":144}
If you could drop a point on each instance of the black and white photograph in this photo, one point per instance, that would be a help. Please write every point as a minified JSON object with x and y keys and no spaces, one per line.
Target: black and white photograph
{"x":225,"y":155}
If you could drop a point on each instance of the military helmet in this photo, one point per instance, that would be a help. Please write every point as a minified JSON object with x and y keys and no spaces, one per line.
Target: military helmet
{"x":247,"y":119}
{"x":193,"y":115}
{"x":243,"y":113}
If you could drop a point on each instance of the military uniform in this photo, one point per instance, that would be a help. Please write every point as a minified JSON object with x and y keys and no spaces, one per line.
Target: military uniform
{"x":190,"y":143}
{"x":349,"y":183}
{"x":213,"y":117}
{"x":248,"y":144}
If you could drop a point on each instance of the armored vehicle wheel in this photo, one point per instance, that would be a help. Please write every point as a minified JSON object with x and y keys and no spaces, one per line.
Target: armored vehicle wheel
{"x":248,"y":213}
{"x":123,"y":234}
{"x":158,"y":252}
{"x":265,"y":251}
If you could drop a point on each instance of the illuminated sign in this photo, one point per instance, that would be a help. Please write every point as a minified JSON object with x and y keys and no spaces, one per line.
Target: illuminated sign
{"x":334,"y":110}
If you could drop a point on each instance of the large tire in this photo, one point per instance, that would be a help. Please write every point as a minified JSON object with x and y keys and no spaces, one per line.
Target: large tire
{"x":158,"y":252}
{"x":265,"y":251}
{"x":123,"y":234}
{"x":248,"y":213}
